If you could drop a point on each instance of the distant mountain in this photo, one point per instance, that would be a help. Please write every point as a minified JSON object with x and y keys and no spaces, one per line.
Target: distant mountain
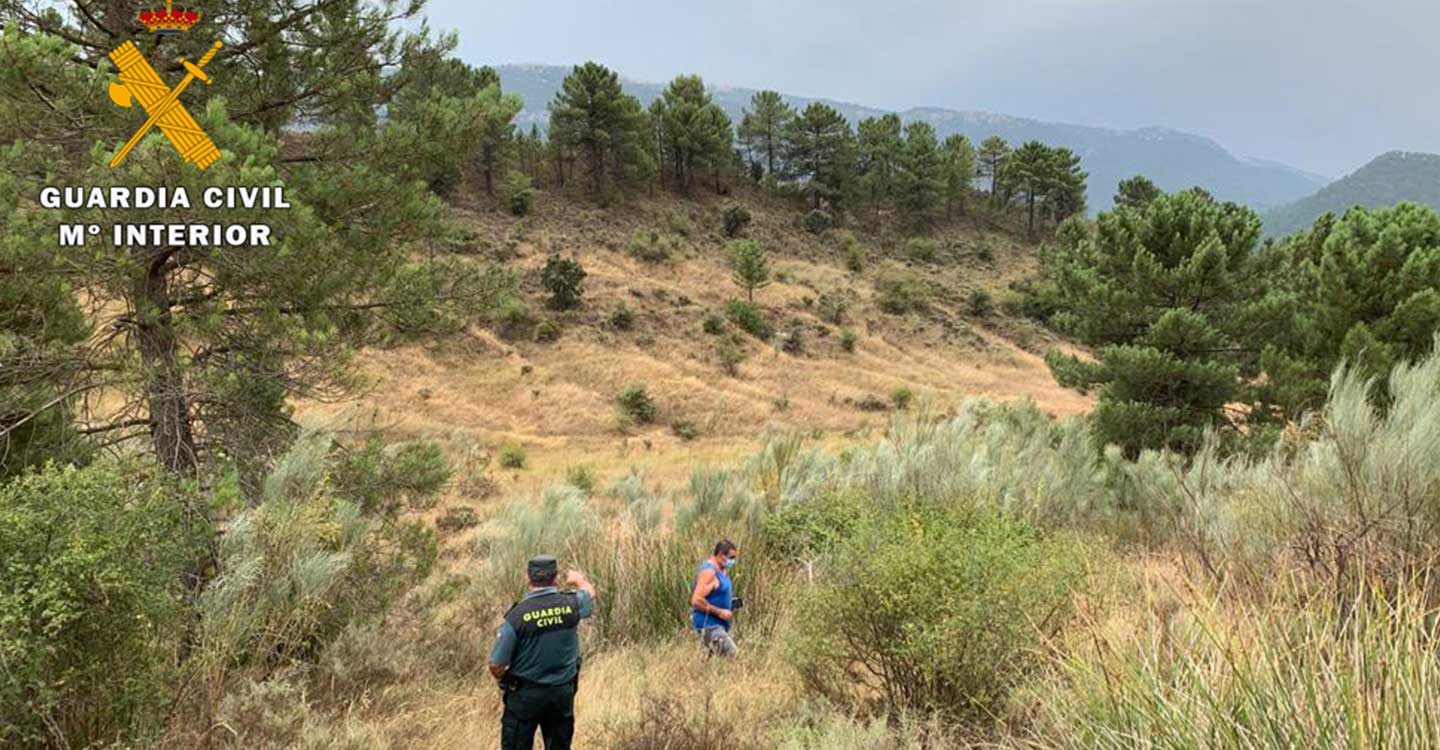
{"x":1389,"y":179}
{"x":1172,"y":159}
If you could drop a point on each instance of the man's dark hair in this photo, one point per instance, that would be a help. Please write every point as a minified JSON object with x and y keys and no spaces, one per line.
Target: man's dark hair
{"x":544,"y":580}
{"x":724,"y":547}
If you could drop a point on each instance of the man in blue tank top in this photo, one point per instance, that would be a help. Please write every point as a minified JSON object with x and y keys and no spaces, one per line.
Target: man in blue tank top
{"x":712,"y":610}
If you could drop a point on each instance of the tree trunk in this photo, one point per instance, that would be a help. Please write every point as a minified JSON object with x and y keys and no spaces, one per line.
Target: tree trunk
{"x":171,"y":432}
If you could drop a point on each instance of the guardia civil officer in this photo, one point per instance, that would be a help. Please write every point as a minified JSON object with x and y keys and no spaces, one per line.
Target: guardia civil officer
{"x":536,"y":658}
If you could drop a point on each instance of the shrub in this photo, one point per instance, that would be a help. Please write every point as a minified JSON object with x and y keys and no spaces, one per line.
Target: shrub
{"x":685,"y":429}
{"x":520,"y":193}
{"x":848,"y":339}
{"x":899,"y":291}
{"x":548,"y":330}
{"x":748,"y":318}
{"x":923,"y":250}
{"x":932,"y":608}
{"x":678,"y":223}
{"x":511,"y":456}
{"x":623,"y":318}
{"x":984,"y":253}
{"x":832,"y":307}
{"x":733,"y":219}
{"x":581,"y":478}
{"x":980,"y":304}
{"x":749,"y":268}
{"x":635,"y":403}
{"x":731,"y":354}
{"x":563,"y":279}
{"x":457,"y":519}
{"x":901,"y":398}
{"x":713,"y":324}
{"x":91,"y":607}
{"x":792,"y":340}
{"x":514,"y":319}
{"x":652,"y":246}
{"x":817,"y":221}
{"x":852,"y":253}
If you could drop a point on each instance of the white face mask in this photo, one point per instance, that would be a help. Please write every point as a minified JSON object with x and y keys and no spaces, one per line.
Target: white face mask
{"x":730,"y":562}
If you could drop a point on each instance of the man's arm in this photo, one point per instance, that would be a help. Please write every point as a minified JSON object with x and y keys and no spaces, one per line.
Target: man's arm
{"x":705,"y":583}
{"x":502,"y":651}
{"x":578,"y":580}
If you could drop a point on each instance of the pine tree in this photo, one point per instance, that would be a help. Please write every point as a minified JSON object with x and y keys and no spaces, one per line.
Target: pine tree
{"x":693,"y":132}
{"x":1064,"y":185}
{"x":993,"y":151}
{"x":1169,"y":296}
{"x":447,"y":94}
{"x":1136,"y":192}
{"x":593,"y":117}
{"x":880,"y":146}
{"x":820,"y":153}
{"x":959,"y":166}
{"x":1027,"y":171}
{"x":922,"y":175}
{"x":750,"y":269}
{"x":206,"y":347}
{"x":762,"y":128}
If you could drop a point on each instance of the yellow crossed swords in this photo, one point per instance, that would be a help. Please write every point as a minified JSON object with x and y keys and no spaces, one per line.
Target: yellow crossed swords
{"x":139,"y":82}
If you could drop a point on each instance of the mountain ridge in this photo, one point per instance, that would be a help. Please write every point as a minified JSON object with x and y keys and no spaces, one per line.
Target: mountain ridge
{"x":1172,"y":158}
{"x":1389,"y":178}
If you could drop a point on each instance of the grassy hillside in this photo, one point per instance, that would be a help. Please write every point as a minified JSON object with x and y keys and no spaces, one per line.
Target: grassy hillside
{"x":1172,"y":159}
{"x":557,"y":399}
{"x":1389,"y":179}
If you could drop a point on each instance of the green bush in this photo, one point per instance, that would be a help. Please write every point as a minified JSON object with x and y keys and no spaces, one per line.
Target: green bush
{"x":511,"y":456}
{"x":832,"y":307}
{"x":713,"y":324}
{"x":515,"y":320}
{"x":731,"y":354}
{"x":923,"y":250}
{"x":934,"y":609}
{"x":685,"y":429}
{"x":817,"y":221}
{"x":679,"y":223}
{"x":852,"y":253}
{"x":636,"y":403}
{"x":91,"y":602}
{"x":901,"y":398}
{"x":652,"y":246}
{"x":564,"y":280}
{"x":848,"y":340}
{"x":581,"y":478}
{"x":748,"y":318}
{"x":899,"y":291}
{"x":980,"y":303}
{"x":733,"y":219}
{"x":520,"y":193}
{"x":623,"y":318}
{"x":549,"y":330}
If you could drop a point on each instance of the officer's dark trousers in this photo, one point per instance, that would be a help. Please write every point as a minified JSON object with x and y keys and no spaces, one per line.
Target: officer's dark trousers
{"x":549,"y":709}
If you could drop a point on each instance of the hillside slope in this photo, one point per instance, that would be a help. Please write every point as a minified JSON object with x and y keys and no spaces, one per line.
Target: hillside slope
{"x":1389,"y":179}
{"x":557,"y":399}
{"x":1172,"y":159}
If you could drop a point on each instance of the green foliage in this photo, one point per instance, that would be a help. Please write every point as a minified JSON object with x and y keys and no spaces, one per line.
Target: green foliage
{"x":678,"y":223}
{"x":91,"y":602}
{"x":581,"y":478}
{"x":731,"y":354}
{"x":935,"y":609}
{"x":685,"y":429}
{"x":693,"y":131}
{"x":899,"y":291}
{"x":880,"y":148}
{"x":819,"y":150}
{"x":391,"y":477}
{"x":848,"y":340}
{"x":1048,"y":179}
{"x":980,"y":303}
{"x":511,"y":456}
{"x":958,"y":160}
{"x":762,"y":130}
{"x":817,"y":221}
{"x":748,"y":318}
{"x":622,"y":318}
{"x":749,"y":267}
{"x":852,"y":253}
{"x":515,"y":319}
{"x":832,"y":307}
{"x":991,"y":156}
{"x":652,"y":245}
{"x":714,"y":324}
{"x":733,"y":219}
{"x":923,"y":249}
{"x":920,"y":188}
{"x":595,"y":119}
{"x":564,"y":280}
{"x":635,"y":402}
{"x":1167,"y":293}
{"x":901,"y":397}
{"x":519,"y":193}
{"x":1136,"y":192}
{"x":548,"y":331}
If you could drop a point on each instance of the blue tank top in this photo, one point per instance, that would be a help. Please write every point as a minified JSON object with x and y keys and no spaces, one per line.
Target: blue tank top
{"x":719,"y":598}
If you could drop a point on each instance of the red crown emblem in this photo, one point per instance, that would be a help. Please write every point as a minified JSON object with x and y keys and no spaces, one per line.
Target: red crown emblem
{"x":169,"y":20}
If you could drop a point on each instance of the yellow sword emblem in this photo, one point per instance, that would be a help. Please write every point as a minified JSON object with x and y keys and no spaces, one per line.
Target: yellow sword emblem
{"x":139,"y":82}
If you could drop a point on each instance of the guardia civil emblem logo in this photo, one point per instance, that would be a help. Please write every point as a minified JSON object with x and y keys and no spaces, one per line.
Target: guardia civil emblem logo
{"x":139,"y":82}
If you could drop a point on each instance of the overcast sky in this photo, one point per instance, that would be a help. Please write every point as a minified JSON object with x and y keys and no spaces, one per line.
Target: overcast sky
{"x":1323,"y":85}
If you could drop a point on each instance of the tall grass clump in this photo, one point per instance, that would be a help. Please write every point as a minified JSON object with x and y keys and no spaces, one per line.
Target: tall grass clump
{"x":1257,"y":675}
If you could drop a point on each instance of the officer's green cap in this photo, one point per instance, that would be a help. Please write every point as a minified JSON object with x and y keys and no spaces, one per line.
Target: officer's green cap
{"x":543,"y":566}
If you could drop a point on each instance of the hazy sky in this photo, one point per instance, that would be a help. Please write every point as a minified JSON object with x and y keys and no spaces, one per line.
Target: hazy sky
{"x":1323,"y":85}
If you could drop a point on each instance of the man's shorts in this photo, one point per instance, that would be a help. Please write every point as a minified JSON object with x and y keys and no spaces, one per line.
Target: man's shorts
{"x":718,"y":642}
